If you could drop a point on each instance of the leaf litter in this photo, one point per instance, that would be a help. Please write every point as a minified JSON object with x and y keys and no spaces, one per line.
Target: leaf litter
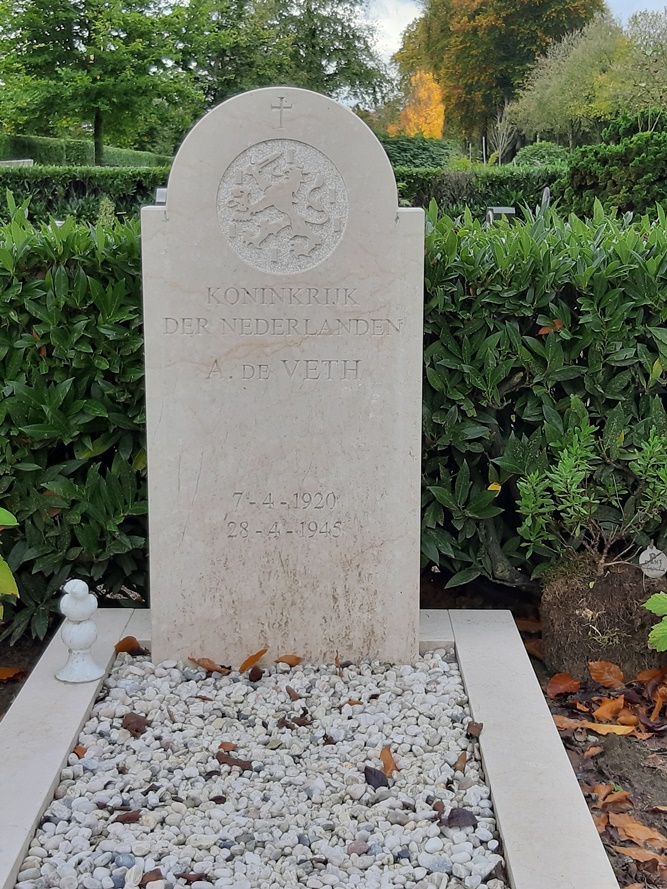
{"x":632,"y":825}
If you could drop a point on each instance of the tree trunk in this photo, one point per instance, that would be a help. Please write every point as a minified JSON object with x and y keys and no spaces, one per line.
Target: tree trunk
{"x":98,"y":135}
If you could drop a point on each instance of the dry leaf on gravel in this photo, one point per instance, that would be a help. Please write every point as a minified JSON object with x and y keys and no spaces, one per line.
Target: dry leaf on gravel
{"x":388,"y":762}
{"x":128,"y":817}
{"x":210,"y":666}
{"x":255,"y":674}
{"x":292,"y":660}
{"x":535,"y":648}
{"x":606,"y":674}
{"x":460,"y":763}
{"x":250,"y":662}
{"x":150,"y":876}
{"x":130,"y":645}
{"x":226,"y":760}
{"x":474,"y":729}
{"x":135,"y":723}
{"x":528,"y":624}
{"x":227,"y":746}
{"x":293,"y":695}
{"x":375,"y":778}
{"x":562,"y":684}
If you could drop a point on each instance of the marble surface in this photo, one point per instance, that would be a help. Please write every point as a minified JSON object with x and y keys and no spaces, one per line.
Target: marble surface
{"x":283,"y":326}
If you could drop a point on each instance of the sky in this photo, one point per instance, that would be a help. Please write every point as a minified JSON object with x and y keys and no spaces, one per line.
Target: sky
{"x":393,"y":16}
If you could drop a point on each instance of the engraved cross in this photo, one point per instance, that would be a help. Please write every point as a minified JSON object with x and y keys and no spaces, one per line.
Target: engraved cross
{"x":281,"y":107}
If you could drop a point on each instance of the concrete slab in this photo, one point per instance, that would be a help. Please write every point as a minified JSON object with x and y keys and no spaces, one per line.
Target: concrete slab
{"x":435,"y":630}
{"x":548,"y":834}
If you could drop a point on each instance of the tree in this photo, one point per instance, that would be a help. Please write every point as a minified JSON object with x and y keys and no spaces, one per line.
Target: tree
{"x":323,"y":45}
{"x":645,"y":70}
{"x":91,"y":60}
{"x":332,"y":49}
{"x":424,"y":113}
{"x":481,"y":50}
{"x":576,"y":85}
{"x":229,"y":46}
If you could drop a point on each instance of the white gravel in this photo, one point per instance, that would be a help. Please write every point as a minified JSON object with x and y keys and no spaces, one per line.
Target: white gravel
{"x":299,"y":812}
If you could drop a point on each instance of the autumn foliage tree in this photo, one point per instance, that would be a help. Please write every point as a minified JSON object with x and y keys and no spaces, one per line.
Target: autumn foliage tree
{"x":480,"y":50}
{"x":424,"y":112}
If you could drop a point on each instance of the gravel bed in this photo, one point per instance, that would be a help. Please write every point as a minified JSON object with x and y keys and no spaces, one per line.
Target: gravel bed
{"x":301,"y":800}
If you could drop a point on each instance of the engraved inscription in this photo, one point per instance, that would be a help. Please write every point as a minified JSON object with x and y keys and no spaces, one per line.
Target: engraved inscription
{"x":330,"y":370}
{"x":305,"y":530}
{"x":298,"y":500}
{"x":282,"y":205}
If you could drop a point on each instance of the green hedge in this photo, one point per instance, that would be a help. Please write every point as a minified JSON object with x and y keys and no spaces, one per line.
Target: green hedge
{"x":78,"y":191}
{"x":72,"y":452}
{"x":518,"y":318}
{"x":628,"y":176}
{"x":75,"y":152}
{"x":417,"y":151}
{"x":477,"y":189}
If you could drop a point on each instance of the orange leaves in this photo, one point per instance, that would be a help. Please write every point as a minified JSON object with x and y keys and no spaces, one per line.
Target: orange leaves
{"x":564,"y":722}
{"x":555,"y":326}
{"x":609,"y":709}
{"x":12,"y":674}
{"x":636,"y":832}
{"x":640,"y":854}
{"x":562,"y":684}
{"x":80,"y":751}
{"x":250,"y":662}
{"x":388,"y":762}
{"x":227,"y":746}
{"x":130,"y":645}
{"x":606,"y":674}
{"x":292,"y":660}
{"x":424,"y":112}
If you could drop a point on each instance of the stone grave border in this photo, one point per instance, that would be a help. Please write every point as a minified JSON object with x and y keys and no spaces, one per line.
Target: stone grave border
{"x":548,"y":835}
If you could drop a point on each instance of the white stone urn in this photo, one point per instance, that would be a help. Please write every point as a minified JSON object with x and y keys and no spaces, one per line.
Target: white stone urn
{"x":79,"y":633}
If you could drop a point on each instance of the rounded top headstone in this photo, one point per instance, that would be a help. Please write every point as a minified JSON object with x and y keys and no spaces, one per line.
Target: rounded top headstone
{"x":286,"y":175}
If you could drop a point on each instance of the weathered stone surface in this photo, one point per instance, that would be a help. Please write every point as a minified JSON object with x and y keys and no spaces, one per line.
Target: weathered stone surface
{"x":283,"y":325}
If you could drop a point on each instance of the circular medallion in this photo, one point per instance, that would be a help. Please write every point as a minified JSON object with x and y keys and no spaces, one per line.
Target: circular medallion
{"x":282,"y":205}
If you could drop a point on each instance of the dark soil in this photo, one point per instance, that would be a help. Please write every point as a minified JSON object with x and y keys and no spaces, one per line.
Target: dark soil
{"x":21,"y":656}
{"x":591,"y":618}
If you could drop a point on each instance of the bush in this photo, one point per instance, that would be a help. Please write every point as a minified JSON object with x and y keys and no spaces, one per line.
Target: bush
{"x":627,"y":125}
{"x":73,"y":152}
{"x":478,"y":189}
{"x":630,"y":176}
{"x":78,"y":191}
{"x":72,"y":450}
{"x":519,"y":319}
{"x":541,"y":154}
{"x":416,"y":151}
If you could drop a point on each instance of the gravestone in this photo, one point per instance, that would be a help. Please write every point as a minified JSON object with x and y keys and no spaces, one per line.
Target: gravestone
{"x":283,"y":328}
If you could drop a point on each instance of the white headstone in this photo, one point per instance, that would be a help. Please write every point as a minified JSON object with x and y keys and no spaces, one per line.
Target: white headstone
{"x":283,"y":322}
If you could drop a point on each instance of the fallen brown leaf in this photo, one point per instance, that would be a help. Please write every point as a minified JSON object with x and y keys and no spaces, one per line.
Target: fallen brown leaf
{"x":388,"y":762}
{"x":130,"y":645}
{"x":12,"y":674}
{"x":535,"y":648}
{"x":631,"y":829}
{"x":474,"y":729}
{"x":461,"y":818}
{"x":252,"y":660}
{"x":617,"y":802}
{"x":460,"y":763}
{"x":227,"y":745}
{"x":353,"y":703}
{"x":601,"y":820}
{"x":337,"y":664}
{"x":562,"y":684}
{"x":226,"y":760}
{"x":80,"y":751}
{"x":292,"y":660}
{"x":627,"y":717}
{"x":647,"y":675}
{"x":528,"y":624}
{"x":255,"y":674}
{"x":640,"y":854}
{"x":564,"y":722}
{"x":609,"y":708}
{"x":582,"y":708}
{"x":128,"y":817}
{"x":210,"y":666}
{"x":593,"y":750}
{"x":375,"y":777}
{"x":150,"y":876}
{"x":606,"y":674}
{"x":658,"y":809}
{"x":293,"y":695}
{"x":190,"y":878}
{"x":135,"y":723}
